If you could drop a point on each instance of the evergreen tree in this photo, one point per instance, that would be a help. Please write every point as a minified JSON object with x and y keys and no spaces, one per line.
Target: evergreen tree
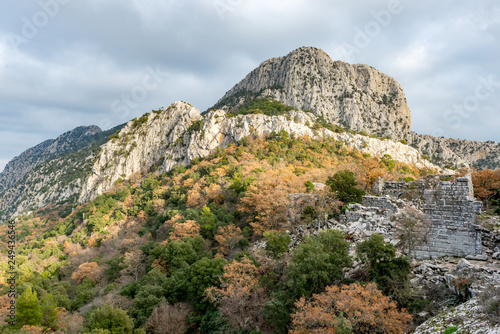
{"x":28,"y":309}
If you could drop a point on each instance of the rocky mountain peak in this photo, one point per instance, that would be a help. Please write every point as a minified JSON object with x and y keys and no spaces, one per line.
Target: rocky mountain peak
{"x":354,"y":96}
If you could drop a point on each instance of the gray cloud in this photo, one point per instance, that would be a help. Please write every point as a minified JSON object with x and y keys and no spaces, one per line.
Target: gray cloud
{"x":80,"y":63}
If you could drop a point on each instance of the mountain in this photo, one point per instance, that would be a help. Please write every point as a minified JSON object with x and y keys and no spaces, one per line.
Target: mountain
{"x":68,"y":142}
{"x":51,"y":172}
{"x":304,"y":93}
{"x":357,"y":97}
{"x":180,"y":134}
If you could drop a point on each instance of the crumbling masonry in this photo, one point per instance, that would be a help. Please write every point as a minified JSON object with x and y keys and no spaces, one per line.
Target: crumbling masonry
{"x":452,"y":209}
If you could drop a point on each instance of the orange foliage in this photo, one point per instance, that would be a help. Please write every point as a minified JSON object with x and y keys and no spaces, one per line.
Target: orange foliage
{"x":87,"y":270}
{"x":228,"y":237}
{"x":216,"y":193}
{"x":370,"y":172}
{"x":268,"y":199}
{"x":194,"y":198}
{"x":486,"y":184}
{"x":189,"y":228}
{"x":240,"y":297}
{"x":366,"y":309}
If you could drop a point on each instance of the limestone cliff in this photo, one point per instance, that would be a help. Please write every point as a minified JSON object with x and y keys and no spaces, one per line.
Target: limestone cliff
{"x":357,"y":97}
{"x":180,"y":134}
{"x":354,"y":96}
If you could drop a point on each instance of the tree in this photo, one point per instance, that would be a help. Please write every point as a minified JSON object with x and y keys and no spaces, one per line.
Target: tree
{"x":28,"y":309}
{"x":87,"y":270}
{"x":317,"y":262}
{"x":134,"y":264}
{"x":486,"y":184}
{"x":115,"y":320}
{"x":370,"y":172}
{"x":343,"y":184}
{"x":414,"y":228}
{"x":276,"y":244}
{"x":364,"y":308}
{"x":49,"y":311}
{"x":240,"y":297}
{"x":169,"y":319}
{"x":189,"y":228}
{"x":228,"y":237}
{"x":391,"y":273}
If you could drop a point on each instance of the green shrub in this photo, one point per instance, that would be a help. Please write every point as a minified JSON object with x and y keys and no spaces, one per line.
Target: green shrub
{"x":343,"y":184}
{"x":450,"y":329}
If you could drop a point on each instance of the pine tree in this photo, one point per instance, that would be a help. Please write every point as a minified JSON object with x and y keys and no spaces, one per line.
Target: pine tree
{"x":28,"y":309}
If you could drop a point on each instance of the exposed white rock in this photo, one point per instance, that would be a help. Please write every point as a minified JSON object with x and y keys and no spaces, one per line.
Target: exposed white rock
{"x":467,"y":317}
{"x":180,"y":134}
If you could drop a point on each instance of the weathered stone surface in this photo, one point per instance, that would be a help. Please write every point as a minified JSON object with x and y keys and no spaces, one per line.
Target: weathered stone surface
{"x":452,"y":209}
{"x":357,"y":96}
{"x":354,"y":96}
{"x":468,"y":317}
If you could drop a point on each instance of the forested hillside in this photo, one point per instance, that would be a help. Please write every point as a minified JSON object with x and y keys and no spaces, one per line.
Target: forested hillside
{"x":184,"y":252}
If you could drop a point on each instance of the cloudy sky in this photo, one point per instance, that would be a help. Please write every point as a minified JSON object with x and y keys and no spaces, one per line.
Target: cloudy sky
{"x":65,"y":63}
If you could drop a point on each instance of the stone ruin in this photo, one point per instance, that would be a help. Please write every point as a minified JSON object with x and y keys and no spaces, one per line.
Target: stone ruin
{"x":452,"y":211}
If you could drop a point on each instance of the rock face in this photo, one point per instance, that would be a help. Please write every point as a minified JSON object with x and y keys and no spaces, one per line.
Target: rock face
{"x":458,"y":152}
{"x":180,"y":134}
{"x":355,"y":96}
{"x":70,"y":141}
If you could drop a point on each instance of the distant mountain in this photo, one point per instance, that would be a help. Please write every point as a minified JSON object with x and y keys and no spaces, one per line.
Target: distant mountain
{"x":68,"y":142}
{"x":50,"y":172}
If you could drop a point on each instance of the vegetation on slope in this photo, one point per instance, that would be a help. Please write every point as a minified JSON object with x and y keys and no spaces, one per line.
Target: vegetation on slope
{"x":176,"y":248}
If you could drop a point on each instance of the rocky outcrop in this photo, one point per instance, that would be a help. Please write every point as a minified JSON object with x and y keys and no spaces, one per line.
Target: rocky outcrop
{"x":53,"y":182}
{"x":354,"y":96}
{"x":468,"y":281}
{"x":180,"y":134}
{"x":458,"y":152}
{"x":357,"y":97}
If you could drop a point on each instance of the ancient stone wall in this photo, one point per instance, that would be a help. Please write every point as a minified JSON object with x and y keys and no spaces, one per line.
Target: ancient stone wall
{"x":452,"y":209}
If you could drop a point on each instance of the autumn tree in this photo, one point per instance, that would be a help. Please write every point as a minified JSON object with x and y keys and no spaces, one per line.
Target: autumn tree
{"x":189,"y":228}
{"x":370,"y":172}
{"x":169,"y":319}
{"x":228,"y":237}
{"x":266,"y":201}
{"x":365,"y":308}
{"x":240,"y":297}
{"x":413,"y":228}
{"x":486,"y":184}
{"x":87,"y":270}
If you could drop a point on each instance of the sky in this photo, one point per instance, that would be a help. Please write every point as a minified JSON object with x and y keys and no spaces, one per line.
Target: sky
{"x":66,"y":63}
